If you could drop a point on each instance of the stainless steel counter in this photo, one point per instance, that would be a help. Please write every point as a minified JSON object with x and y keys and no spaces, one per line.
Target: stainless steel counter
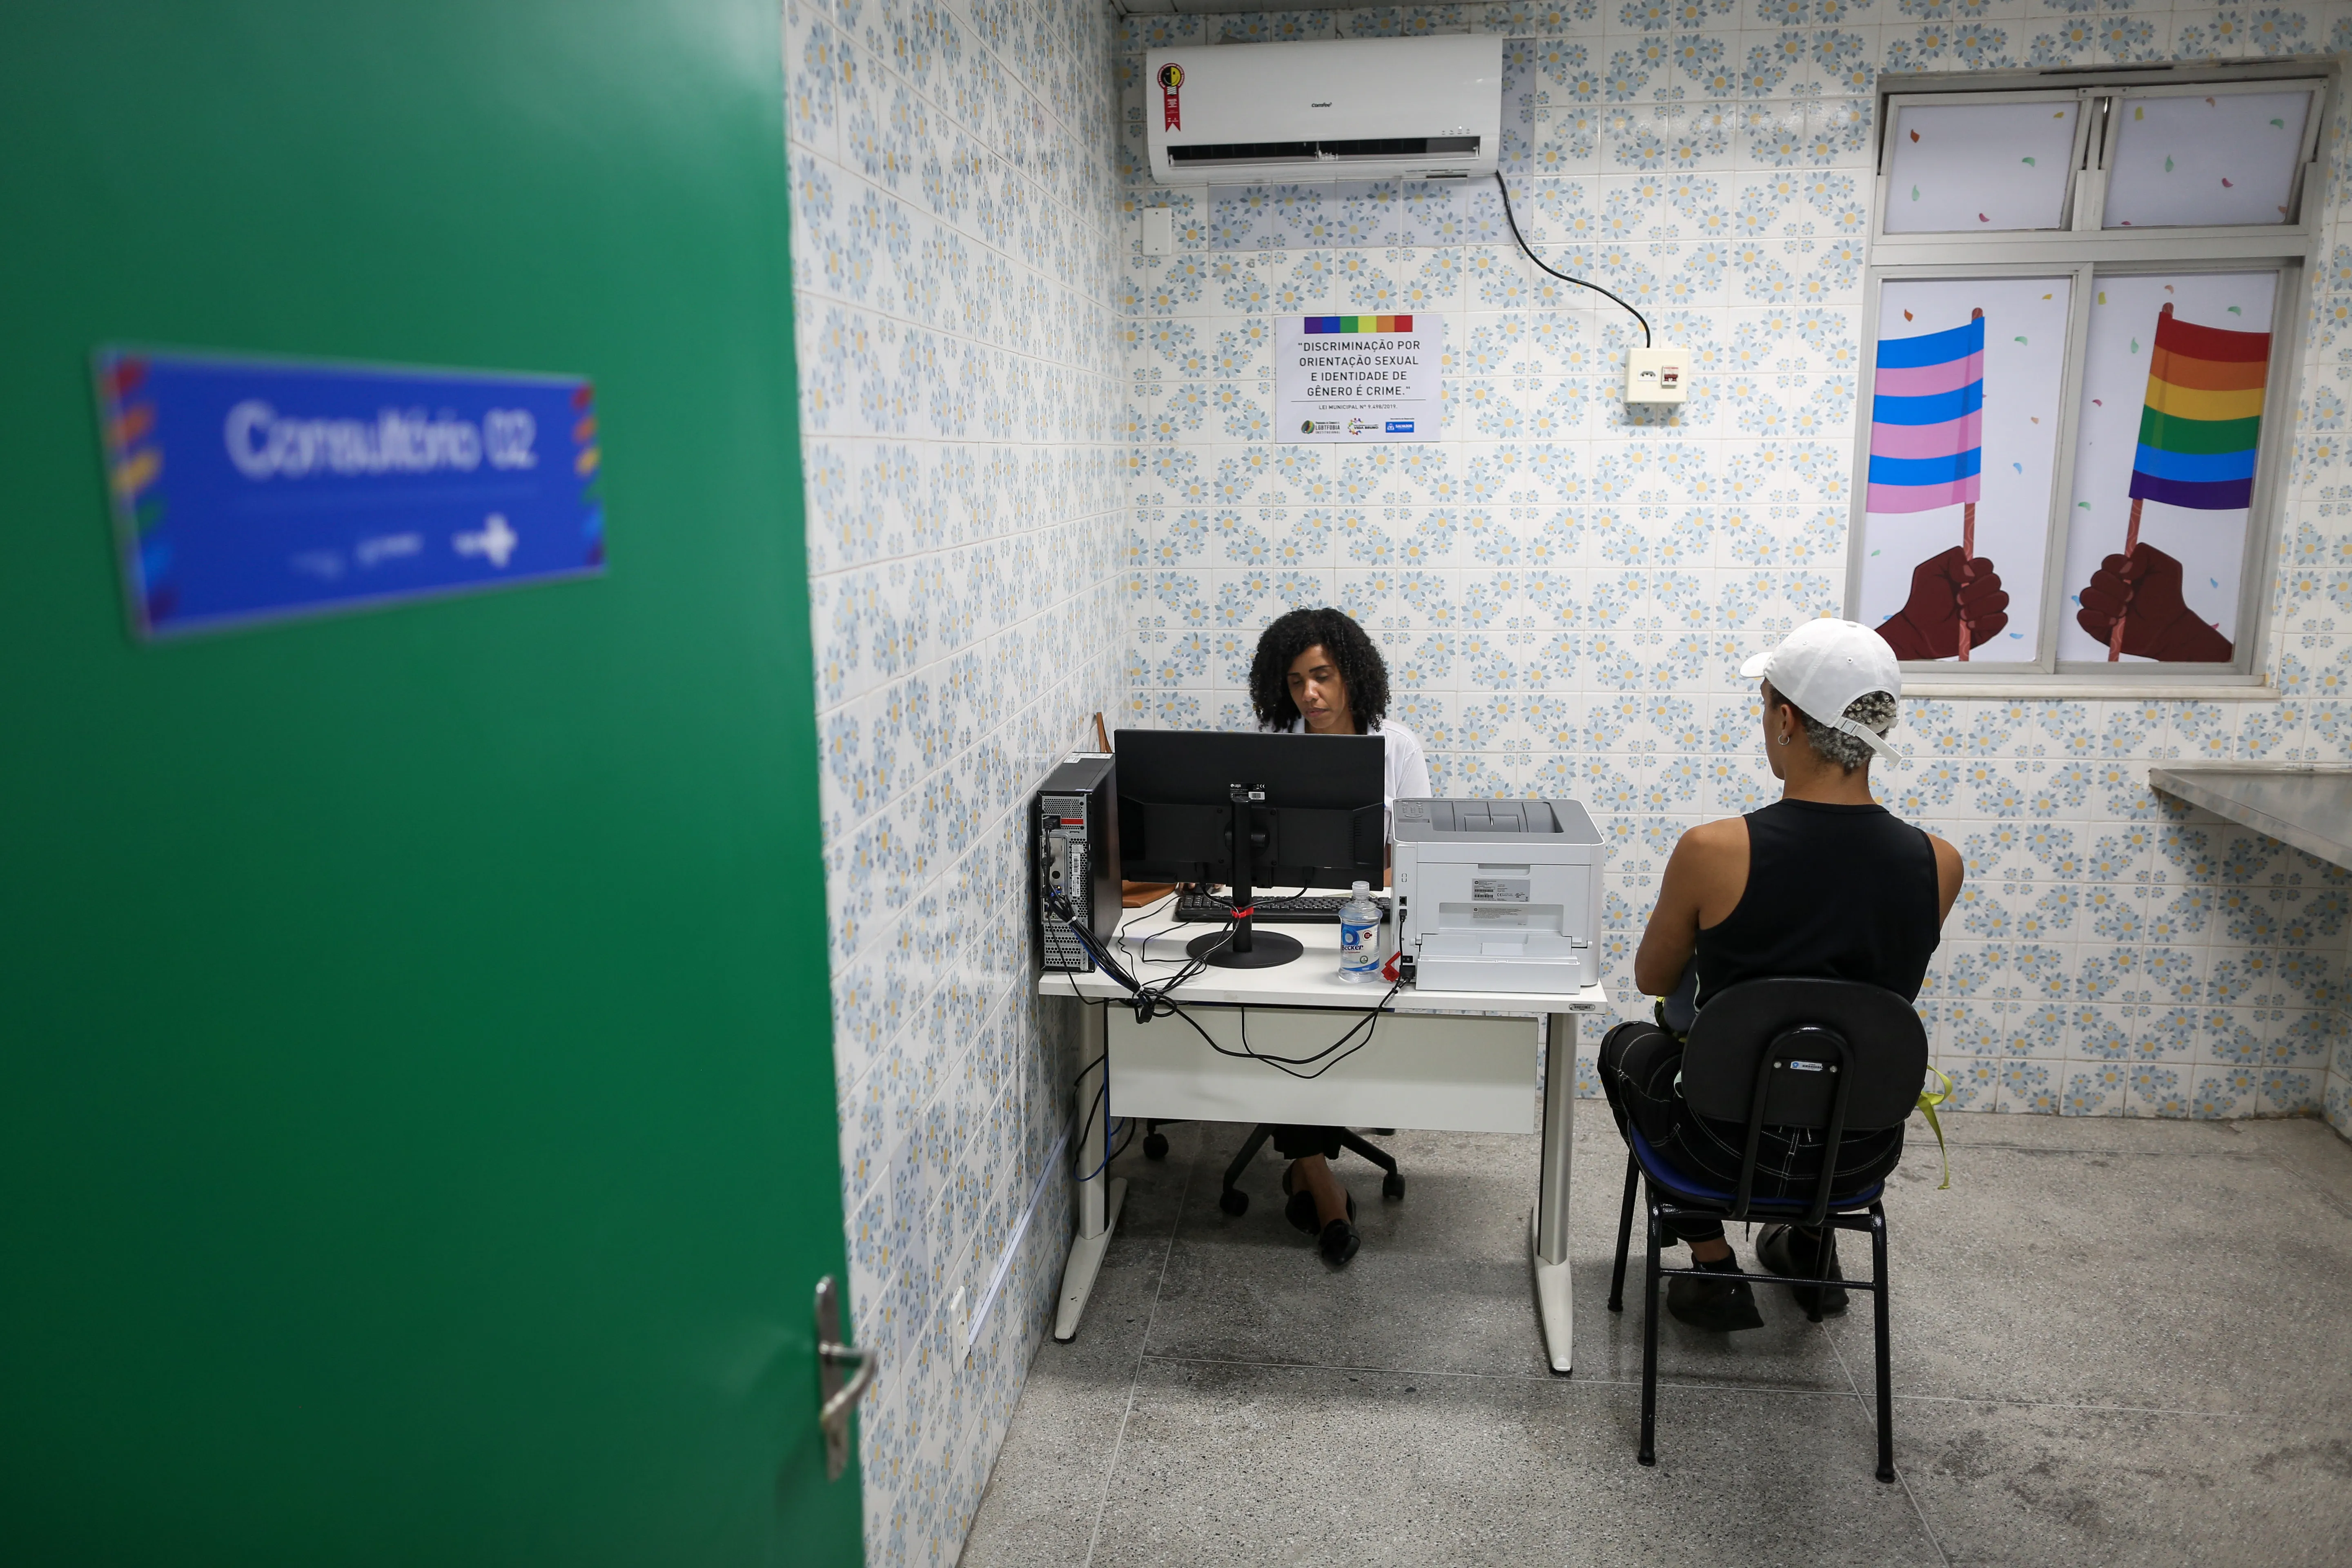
{"x":2308,"y":807}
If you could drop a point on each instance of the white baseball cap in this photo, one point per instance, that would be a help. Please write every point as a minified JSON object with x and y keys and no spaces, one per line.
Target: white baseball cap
{"x":1824,"y":665}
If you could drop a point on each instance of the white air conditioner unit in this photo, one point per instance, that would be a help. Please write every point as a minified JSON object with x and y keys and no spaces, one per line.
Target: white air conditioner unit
{"x":1354,"y":109}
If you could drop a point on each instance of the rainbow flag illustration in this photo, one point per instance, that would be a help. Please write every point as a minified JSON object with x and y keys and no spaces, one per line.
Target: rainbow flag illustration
{"x":1321,"y":325}
{"x":1926,"y":421}
{"x":2199,"y":430}
{"x":2203,"y":418}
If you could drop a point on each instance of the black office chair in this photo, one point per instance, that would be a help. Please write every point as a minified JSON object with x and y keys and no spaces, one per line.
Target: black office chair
{"x":1834,"y":1056}
{"x":1233,"y":1201}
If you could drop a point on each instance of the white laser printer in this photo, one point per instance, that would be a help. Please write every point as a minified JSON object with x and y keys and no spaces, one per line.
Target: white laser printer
{"x":1498,"y":895}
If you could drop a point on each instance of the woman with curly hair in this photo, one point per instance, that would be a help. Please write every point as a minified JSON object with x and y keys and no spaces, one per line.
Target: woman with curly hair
{"x":1317,"y":673}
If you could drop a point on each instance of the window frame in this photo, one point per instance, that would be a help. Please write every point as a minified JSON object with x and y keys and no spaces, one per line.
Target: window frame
{"x":2321,"y":85}
{"x":1891,"y":113}
{"x":2085,"y":251}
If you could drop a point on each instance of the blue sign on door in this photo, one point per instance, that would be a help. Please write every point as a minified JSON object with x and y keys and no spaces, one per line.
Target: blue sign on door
{"x":249,"y":490}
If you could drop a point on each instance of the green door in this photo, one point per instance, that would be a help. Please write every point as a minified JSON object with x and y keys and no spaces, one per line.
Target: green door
{"x":416,"y":1136}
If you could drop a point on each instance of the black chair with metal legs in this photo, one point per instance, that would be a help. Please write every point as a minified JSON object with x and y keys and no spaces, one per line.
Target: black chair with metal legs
{"x":1833,"y":1056}
{"x":1229,"y":1196}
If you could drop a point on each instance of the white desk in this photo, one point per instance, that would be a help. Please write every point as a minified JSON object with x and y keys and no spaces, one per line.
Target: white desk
{"x":1422,"y":1069}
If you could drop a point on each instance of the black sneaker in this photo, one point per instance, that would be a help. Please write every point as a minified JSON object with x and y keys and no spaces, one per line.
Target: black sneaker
{"x":1724,"y":1306}
{"x":1784,"y":1249}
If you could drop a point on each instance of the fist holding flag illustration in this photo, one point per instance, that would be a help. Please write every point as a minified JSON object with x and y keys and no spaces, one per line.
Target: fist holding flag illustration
{"x":1951,"y":594}
{"x":2138,"y":597}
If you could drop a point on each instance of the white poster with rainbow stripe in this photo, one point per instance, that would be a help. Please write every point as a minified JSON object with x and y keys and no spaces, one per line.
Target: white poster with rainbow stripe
{"x":1359,"y":378}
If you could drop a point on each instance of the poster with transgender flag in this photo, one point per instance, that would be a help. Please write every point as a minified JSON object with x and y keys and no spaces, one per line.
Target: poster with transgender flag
{"x":1927,"y":441}
{"x":1958,"y":462}
{"x":1927,"y":422}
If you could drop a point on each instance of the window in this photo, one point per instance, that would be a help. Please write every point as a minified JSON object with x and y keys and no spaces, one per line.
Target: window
{"x":2084,"y":300}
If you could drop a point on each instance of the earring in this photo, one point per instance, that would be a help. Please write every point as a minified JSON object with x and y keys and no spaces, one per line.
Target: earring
{"x":1784,"y":737}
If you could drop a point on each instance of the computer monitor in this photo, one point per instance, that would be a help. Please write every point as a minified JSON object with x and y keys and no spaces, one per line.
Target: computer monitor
{"x":1308,"y":807}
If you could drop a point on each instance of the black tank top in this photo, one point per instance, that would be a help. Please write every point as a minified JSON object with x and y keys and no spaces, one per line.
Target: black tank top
{"x":1845,"y":892}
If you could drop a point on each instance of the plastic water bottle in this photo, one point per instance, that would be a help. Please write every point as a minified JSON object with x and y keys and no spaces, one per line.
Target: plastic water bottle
{"x":1360,"y":935}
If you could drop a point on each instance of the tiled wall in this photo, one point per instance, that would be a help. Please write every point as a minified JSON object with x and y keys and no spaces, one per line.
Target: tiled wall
{"x":1566,"y":594}
{"x":955,"y":283}
{"x":1041,"y":483}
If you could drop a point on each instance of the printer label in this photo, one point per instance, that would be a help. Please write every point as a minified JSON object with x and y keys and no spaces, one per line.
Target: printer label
{"x":1499,"y":890}
{"x":1479,"y":917}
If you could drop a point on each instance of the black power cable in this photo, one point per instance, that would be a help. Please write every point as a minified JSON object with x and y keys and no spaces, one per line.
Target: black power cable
{"x":1153,"y":1001}
{"x":1149,"y":1002}
{"x":1093,"y":1102}
{"x":1147,"y":999}
{"x":1111,"y":1156}
{"x":1369,"y":1024}
{"x":1597,"y":289}
{"x":1099,"y":1099}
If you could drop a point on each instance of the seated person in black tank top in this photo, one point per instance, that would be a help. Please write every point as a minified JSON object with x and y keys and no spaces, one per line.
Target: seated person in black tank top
{"x":1822,"y":882}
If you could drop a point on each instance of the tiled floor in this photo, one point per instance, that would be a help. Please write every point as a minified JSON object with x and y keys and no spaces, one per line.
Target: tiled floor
{"x":2115,"y":1342}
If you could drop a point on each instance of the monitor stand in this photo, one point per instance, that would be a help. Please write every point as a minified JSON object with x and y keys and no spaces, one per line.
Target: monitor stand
{"x":1266,"y":950}
{"x":1244,"y":947}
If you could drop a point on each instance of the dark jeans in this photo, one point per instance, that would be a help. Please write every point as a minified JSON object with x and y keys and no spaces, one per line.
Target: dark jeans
{"x":1297,"y":1142}
{"x":1638,"y":1065}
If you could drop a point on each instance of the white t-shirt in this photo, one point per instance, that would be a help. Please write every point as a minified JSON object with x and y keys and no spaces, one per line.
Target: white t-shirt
{"x":1405,"y":766}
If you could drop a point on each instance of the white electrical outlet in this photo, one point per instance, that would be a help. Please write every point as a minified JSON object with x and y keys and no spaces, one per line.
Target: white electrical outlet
{"x":1657,"y":376}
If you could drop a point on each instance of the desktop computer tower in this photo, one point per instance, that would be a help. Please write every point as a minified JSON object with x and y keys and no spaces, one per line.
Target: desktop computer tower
{"x":1073,"y":850}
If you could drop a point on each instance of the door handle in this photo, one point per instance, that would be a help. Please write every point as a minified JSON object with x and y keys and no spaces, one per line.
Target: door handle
{"x":837,"y":1394}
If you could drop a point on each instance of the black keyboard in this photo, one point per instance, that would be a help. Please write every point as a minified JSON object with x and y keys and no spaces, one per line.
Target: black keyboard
{"x":1306,"y":909}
